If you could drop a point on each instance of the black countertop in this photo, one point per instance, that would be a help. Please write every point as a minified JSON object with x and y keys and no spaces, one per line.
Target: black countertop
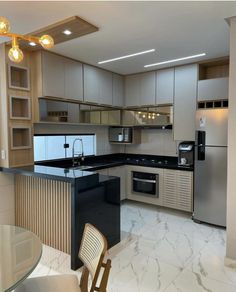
{"x":93,"y":163}
{"x":86,"y":179}
{"x":85,"y":174}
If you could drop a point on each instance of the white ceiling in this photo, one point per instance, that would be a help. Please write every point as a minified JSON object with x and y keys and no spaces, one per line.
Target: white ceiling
{"x":174,"y":29}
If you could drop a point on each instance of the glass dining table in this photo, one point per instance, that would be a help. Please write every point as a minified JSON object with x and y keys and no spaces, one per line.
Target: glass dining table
{"x":20,"y":252}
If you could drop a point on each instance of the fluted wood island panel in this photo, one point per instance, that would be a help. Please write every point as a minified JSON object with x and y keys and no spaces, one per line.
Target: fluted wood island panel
{"x":43,"y":206}
{"x":56,"y":202}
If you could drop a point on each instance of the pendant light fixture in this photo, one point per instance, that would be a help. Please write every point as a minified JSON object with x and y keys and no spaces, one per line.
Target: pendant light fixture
{"x":15,"y":54}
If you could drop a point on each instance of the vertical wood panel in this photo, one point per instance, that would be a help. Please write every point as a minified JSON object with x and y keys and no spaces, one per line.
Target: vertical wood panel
{"x":43,"y":207}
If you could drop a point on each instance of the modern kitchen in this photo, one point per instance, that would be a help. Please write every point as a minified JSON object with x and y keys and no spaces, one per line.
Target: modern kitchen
{"x":118,"y":115}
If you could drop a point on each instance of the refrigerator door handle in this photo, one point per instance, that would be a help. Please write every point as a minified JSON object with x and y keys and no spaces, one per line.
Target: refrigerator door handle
{"x":201,"y":152}
{"x":201,"y":139}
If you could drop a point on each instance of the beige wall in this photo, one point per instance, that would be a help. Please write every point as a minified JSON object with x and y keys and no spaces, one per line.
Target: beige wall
{"x":103,"y":146}
{"x":7,"y":205}
{"x":231,"y":192}
{"x":155,"y":142}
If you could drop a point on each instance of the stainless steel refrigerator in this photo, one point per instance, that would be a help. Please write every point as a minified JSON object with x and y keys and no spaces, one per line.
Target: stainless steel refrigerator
{"x":210,"y":172}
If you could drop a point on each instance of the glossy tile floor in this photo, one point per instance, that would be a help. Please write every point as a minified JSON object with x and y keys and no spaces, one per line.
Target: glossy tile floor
{"x":161,"y":250}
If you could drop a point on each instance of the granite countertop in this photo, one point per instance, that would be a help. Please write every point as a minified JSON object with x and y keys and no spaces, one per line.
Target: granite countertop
{"x":56,"y":173}
{"x":93,"y":163}
{"x":86,"y":174}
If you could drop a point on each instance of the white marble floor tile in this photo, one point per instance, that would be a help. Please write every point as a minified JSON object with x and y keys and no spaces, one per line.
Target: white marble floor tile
{"x":193,"y":282}
{"x":208,"y":264}
{"x":133,"y":271}
{"x":161,"y":250}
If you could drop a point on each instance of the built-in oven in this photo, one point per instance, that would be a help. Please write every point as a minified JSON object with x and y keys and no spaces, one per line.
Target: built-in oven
{"x":144,"y":183}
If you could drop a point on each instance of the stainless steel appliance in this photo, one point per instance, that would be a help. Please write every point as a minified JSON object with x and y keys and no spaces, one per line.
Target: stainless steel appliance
{"x":186,"y":153}
{"x":210,"y":173}
{"x":120,"y":134}
{"x":144,"y":183}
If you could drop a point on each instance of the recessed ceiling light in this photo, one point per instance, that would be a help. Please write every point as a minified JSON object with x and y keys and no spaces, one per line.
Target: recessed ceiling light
{"x":127,"y":56}
{"x":67,"y":32}
{"x":32,"y":44}
{"x":175,"y":60}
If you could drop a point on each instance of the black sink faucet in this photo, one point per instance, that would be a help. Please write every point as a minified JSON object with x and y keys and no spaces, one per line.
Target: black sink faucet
{"x":80,"y":155}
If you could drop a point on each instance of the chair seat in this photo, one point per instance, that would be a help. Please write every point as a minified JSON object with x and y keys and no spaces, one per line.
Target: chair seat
{"x":57,"y":283}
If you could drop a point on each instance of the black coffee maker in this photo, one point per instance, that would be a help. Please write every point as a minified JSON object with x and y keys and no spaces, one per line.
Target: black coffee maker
{"x":186,"y":153}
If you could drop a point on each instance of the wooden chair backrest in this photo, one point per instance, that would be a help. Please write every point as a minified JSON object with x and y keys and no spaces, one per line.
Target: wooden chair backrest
{"x":92,"y":252}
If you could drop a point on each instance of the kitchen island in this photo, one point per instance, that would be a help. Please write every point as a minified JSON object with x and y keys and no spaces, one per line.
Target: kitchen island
{"x":55,"y":203}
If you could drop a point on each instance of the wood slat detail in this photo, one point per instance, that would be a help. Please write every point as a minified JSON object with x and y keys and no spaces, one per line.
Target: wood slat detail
{"x":44,"y":207}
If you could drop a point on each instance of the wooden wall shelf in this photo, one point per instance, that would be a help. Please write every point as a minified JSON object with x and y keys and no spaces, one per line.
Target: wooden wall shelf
{"x":211,"y":70}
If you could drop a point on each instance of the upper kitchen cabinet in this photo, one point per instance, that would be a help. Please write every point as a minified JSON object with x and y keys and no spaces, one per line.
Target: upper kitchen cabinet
{"x":53,"y":75}
{"x":185,"y":102}
{"x":58,"y":77}
{"x":165,"y":86}
{"x":140,"y":89}
{"x":117,"y":90}
{"x":147,"y":88}
{"x":73,"y":80}
{"x":213,"y":81}
{"x":132,"y":90}
{"x":97,"y":85}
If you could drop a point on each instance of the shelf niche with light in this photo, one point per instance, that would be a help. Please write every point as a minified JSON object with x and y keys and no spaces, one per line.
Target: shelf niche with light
{"x":20,"y":108}
{"x":20,"y":137}
{"x":18,"y":77}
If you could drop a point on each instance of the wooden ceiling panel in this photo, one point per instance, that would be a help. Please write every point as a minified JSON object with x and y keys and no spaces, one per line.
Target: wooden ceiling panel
{"x":75,"y":24}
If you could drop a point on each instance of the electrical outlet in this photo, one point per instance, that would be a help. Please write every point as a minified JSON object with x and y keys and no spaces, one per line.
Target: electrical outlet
{"x":3,"y":154}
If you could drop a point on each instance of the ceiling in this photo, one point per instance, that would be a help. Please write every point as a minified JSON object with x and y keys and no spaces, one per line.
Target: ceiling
{"x":174,"y":29}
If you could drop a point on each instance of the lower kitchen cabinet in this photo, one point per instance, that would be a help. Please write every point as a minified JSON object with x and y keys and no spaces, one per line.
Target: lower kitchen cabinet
{"x":120,"y":172}
{"x":175,"y":187}
{"x":140,"y":197}
{"x":103,"y":171}
{"x":178,"y":189}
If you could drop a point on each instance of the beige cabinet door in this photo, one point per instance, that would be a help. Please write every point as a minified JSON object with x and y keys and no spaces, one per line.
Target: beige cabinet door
{"x":97,"y":85}
{"x":53,"y":75}
{"x":132,"y":90}
{"x":117,"y":90}
{"x":91,"y":84}
{"x":165,"y":86}
{"x":147,"y":88}
{"x":73,"y":80}
{"x":213,"y":89}
{"x":185,"y":99}
{"x":178,"y":190}
{"x":105,"y":87}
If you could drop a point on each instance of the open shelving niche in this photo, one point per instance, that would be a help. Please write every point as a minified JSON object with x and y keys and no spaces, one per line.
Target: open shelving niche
{"x":20,"y":108}
{"x":18,"y":77}
{"x":21,"y":137}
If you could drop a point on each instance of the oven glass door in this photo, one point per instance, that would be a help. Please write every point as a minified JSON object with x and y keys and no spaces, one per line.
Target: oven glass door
{"x":145,"y":184}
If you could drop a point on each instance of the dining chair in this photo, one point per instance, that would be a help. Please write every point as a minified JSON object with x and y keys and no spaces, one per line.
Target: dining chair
{"x":92,"y":252}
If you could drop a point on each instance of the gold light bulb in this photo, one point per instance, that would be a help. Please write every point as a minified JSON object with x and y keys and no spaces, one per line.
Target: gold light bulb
{"x":46,"y":41}
{"x":15,"y":54}
{"x":4,"y":25}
